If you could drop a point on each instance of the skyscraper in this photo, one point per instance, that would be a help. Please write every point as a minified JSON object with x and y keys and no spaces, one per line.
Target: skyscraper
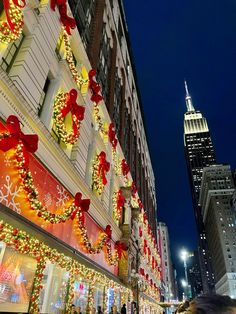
{"x":219,"y":219}
{"x":199,"y":153}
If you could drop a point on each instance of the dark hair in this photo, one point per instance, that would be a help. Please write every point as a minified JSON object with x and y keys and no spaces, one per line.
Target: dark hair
{"x":209,"y":304}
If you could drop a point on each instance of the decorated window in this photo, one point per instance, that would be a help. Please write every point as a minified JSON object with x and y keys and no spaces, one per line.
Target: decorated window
{"x":98,"y":295}
{"x":54,"y":292}
{"x":81,"y":289}
{"x":16,"y":279}
{"x":100,"y":169}
{"x":110,"y":299}
{"x":11,"y":53}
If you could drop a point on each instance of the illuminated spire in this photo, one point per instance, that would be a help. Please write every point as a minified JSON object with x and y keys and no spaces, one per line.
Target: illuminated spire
{"x":188,"y":99}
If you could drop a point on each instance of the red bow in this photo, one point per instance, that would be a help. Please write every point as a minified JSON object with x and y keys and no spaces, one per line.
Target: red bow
{"x":120,"y":247}
{"x":104,"y":167}
{"x":94,"y":87}
{"x":77,"y":111}
{"x":124,"y":167}
{"x":140,"y":232}
{"x":120,"y":200}
{"x":108,"y":232}
{"x":30,"y":142}
{"x":112,"y":135}
{"x":140,"y":205}
{"x":134,"y":189}
{"x":6,"y":4}
{"x":67,"y":21}
{"x":82,"y":204}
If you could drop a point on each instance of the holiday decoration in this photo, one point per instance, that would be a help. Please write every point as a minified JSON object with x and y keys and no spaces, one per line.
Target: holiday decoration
{"x":118,"y":202}
{"x":81,"y":80}
{"x":26,"y":244}
{"x":100,"y":168}
{"x":67,"y":21}
{"x":24,"y":144}
{"x":112,"y":135}
{"x":124,"y":167}
{"x":64,"y":104}
{"x":94,"y":87}
{"x":11,"y":29}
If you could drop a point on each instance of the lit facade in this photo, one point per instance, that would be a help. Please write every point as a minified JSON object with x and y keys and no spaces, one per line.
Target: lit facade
{"x":73,"y":197}
{"x":168,"y":276}
{"x":219,"y":218}
{"x":199,"y":152}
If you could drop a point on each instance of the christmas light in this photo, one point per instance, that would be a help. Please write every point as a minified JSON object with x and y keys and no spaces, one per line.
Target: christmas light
{"x":63,"y":104}
{"x":11,"y":29}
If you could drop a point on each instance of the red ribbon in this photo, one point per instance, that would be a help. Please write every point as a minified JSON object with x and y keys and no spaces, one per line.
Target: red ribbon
{"x":140,"y":205}
{"x":55,"y":3}
{"x":6,"y":4}
{"x":94,"y":87}
{"x":112,"y":135}
{"x":108,"y":232}
{"x":76,"y":110}
{"x":16,"y":136}
{"x":104,"y":167}
{"x":125,"y":168}
{"x":121,"y":248}
{"x":82,"y":204}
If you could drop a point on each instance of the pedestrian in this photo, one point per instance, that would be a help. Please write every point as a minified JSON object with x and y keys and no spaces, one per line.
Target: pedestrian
{"x":79,"y":310}
{"x":123,"y":309}
{"x":73,"y":311}
{"x":93,"y":310}
{"x":209,"y":304}
{"x":114,"y":310}
{"x":99,"y":310}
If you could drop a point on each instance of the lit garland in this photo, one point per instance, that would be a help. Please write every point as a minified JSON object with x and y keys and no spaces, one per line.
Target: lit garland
{"x":26,"y":244}
{"x":100,"y":168}
{"x":63,"y":104}
{"x":76,"y":209}
{"x":81,"y":82}
{"x":11,"y":29}
{"x":118,"y":202}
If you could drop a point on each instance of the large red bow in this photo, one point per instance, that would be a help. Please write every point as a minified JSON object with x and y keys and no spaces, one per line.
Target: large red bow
{"x":94,"y":87}
{"x":82,"y":204}
{"x":104,"y":167}
{"x":76,"y":110}
{"x":108,"y":232}
{"x":112,"y":135}
{"x":120,"y":247}
{"x":16,"y":136}
{"x":6,"y":4}
{"x":124,"y":167}
{"x":120,"y":200}
{"x":67,"y":21}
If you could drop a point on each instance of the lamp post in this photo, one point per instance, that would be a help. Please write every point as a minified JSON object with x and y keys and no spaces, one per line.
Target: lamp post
{"x":184,"y":255}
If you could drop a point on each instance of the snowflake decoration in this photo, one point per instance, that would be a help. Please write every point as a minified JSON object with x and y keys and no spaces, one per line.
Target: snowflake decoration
{"x":47,"y":199}
{"x":7,"y":161}
{"x":8,"y":195}
{"x":62,"y":196}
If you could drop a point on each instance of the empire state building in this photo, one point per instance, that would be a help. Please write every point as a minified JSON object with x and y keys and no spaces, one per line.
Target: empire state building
{"x":199,"y":153}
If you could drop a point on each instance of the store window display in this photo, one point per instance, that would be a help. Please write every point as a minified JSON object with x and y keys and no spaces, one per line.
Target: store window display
{"x":54,"y":292}
{"x":98,"y":295}
{"x":80,"y":294}
{"x":16,"y":280}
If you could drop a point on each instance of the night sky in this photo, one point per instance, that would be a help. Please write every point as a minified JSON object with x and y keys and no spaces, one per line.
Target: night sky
{"x":173,"y":40}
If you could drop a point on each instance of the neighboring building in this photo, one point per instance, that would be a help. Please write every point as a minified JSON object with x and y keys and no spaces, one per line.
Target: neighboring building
{"x":219,"y":218}
{"x":194,"y":275}
{"x":168,"y":276}
{"x":199,"y":152}
{"x":45,"y":83}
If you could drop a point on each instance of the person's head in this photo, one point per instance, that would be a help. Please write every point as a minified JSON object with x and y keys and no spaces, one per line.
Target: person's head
{"x":209,"y":304}
{"x":114,"y":309}
{"x":99,"y":308}
{"x":124,"y":305}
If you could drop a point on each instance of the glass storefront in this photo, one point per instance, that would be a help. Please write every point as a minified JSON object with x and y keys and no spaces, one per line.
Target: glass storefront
{"x":54,"y":292}
{"x":81,"y":289}
{"x":16,"y":280}
{"x":98,"y":295}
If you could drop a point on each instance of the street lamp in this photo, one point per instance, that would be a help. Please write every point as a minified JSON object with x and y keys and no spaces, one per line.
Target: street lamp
{"x":184,"y":255}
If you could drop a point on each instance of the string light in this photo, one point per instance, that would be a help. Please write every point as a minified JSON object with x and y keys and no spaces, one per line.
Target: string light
{"x":11,"y":32}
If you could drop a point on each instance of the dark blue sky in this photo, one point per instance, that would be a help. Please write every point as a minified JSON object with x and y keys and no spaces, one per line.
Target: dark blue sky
{"x":173,"y":40}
